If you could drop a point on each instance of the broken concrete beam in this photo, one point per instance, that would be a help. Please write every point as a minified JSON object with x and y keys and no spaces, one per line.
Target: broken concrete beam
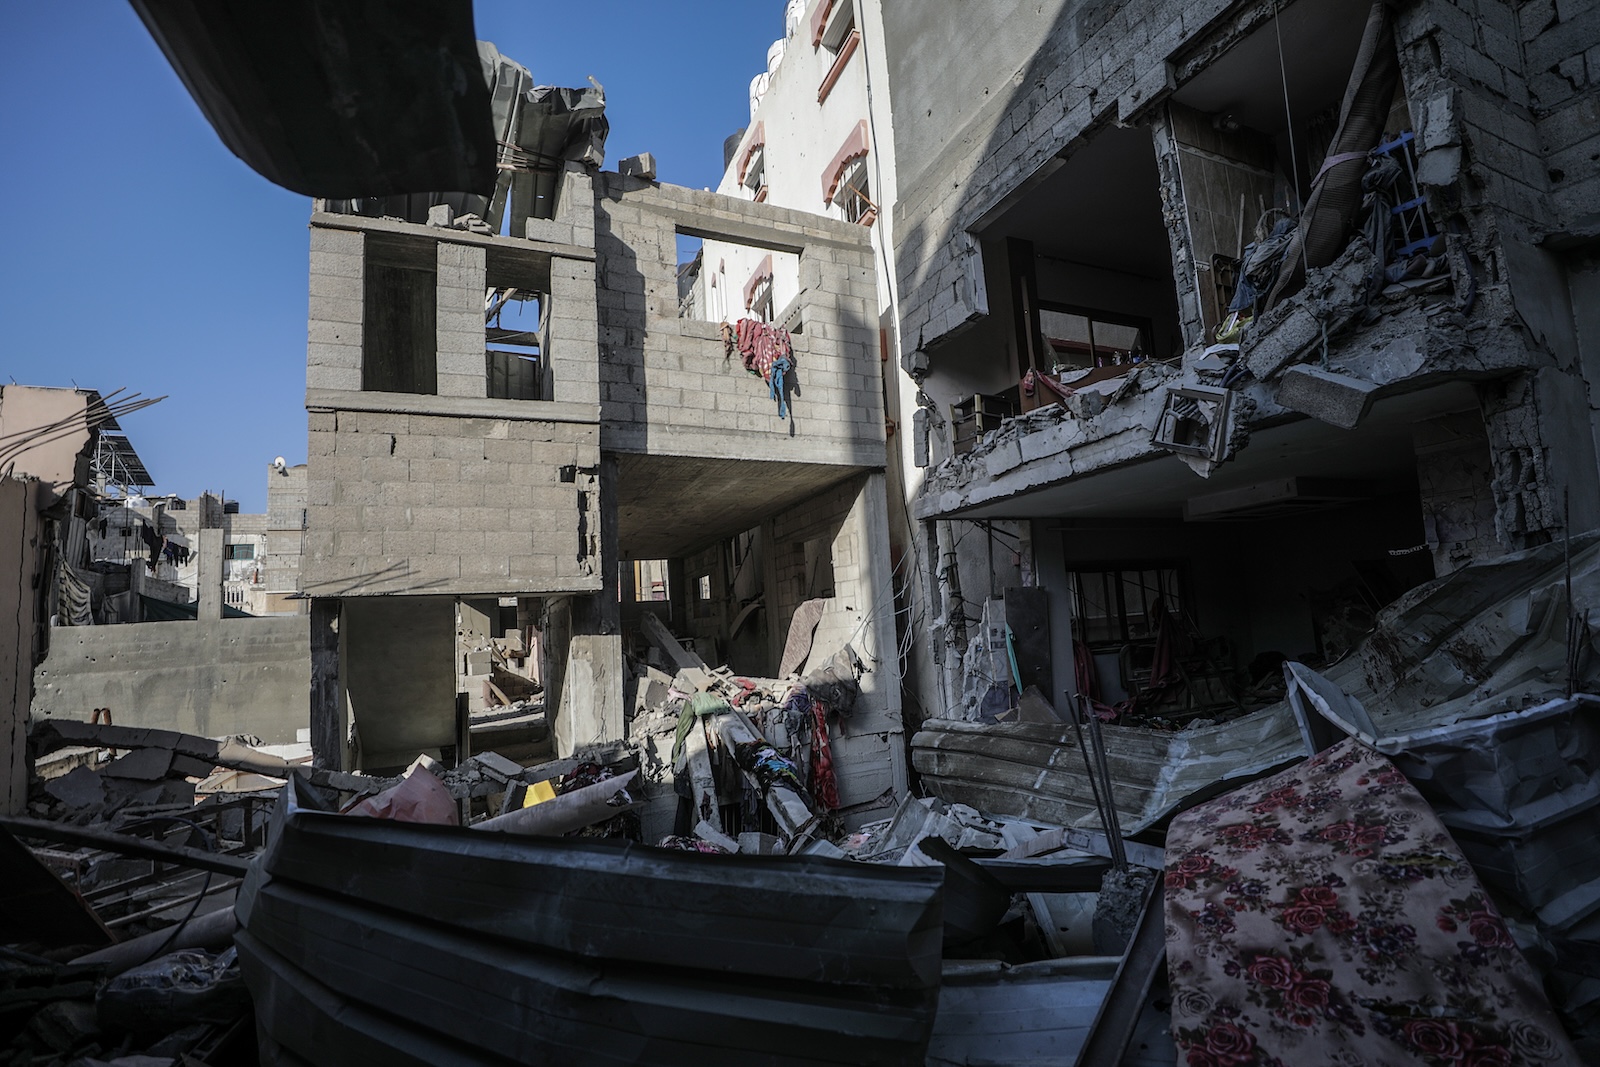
{"x":48,"y":735}
{"x":142,"y":764}
{"x":759,"y":760}
{"x":656,"y":632}
{"x":79,"y":788}
{"x":711,"y":835}
{"x":1294,"y":328}
{"x":1284,"y":343}
{"x":758,"y":844}
{"x":694,"y":680}
{"x":642,"y":165}
{"x":497,"y":764}
{"x":1336,"y":399}
{"x":702,"y":781}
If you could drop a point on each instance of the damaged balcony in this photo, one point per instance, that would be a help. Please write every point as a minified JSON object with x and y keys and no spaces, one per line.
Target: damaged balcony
{"x":1376,"y":314}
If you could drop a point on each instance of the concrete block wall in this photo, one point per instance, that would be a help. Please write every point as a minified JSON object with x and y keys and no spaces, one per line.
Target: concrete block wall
{"x":1561,"y":50}
{"x":968,"y":135}
{"x":668,"y":385}
{"x":232,"y":676}
{"x":429,"y":495}
{"x":1514,"y":82}
{"x":573,"y":223}
{"x":852,"y":520}
{"x":333,"y":343}
{"x":574,"y":349}
{"x":334,"y":346}
{"x":459,"y":310}
{"x":1464,"y":74}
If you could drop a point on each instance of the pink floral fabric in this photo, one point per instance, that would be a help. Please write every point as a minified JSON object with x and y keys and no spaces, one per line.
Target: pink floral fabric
{"x":1324,"y":916}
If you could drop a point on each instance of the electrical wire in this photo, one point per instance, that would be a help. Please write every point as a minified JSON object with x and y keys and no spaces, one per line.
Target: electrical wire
{"x":210,"y":845}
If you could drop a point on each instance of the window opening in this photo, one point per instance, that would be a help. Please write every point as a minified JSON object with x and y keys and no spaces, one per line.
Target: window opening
{"x":841,"y":21}
{"x":704,"y":587}
{"x":1080,"y":339}
{"x":1118,"y":606}
{"x":650,"y":580}
{"x":399,"y":345}
{"x":514,"y":334}
{"x":755,"y":175}
{"x":840,"y":38}
{"x":819,"y":568}
{"x":760,"y":299}
{"x":232,"y":552}
{"x":854,"y":198}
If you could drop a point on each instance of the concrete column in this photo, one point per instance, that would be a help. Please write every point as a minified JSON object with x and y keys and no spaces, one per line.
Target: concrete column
{"x":328,"y":727}
{"x":459,"y":323}
{"x":21,"y":556}
{"x":210,"y":577}
{"x":590,"y":707}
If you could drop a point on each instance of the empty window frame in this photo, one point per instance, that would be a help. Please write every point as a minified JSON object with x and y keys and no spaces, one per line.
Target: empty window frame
{"x":754,"y":181}
{"x":703,"y":587}
{"x":1083,"y":339}
{"x":836,"y":34}
{"x":753,"y":164}
{"x":853,"y":200}
{"x":235,"y":552}
{"x":818,"y":556}
{"x":1116,"y":605}
{"x":514,"y":332}
{"x":399,"y":342}
{"x":758,"y":298}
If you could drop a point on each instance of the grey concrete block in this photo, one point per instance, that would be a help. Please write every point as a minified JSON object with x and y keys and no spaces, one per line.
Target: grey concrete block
{"x":1336,"y":399}
{"x":642,"y":166}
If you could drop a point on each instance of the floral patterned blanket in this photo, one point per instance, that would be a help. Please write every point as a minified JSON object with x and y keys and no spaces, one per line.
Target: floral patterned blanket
{"x":1324,"y":916}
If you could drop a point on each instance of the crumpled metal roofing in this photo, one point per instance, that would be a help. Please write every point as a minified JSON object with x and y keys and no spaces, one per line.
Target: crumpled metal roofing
{"x":1487,"y":639}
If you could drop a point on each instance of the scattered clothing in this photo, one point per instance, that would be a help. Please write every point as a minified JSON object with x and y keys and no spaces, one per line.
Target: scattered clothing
{"x":1324,"y":916}
{"x":685,"y":843}
{"x":697,"y":707}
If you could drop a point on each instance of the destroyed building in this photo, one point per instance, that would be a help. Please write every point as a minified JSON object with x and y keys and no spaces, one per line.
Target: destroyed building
{"x":1081,"y":199}
{"x":1258,"y":450}
{"x":461,"y":452}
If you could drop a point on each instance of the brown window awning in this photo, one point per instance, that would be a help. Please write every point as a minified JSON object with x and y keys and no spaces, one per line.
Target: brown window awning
{"x":854,"y":147}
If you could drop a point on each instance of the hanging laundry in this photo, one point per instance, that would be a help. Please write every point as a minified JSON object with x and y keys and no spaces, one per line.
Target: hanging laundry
{"x":766,"y":350}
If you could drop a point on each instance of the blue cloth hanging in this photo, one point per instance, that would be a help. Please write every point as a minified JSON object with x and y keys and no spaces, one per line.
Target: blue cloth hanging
{"x":780,"y":367}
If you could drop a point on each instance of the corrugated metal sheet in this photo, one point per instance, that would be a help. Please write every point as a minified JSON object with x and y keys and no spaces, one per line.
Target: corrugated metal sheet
{"x":363,"y":936}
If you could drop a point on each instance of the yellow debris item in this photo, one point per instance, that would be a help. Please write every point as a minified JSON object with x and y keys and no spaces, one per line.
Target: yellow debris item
{"x":538,"y":793}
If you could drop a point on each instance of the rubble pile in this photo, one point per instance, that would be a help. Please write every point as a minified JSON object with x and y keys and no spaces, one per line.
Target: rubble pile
{"x":751,"y":756}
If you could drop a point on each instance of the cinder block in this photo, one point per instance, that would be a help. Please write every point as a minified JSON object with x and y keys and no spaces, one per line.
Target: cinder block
{"x":408,"y":543}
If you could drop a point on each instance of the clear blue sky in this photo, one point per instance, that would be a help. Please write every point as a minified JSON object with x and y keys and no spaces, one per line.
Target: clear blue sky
{"x":138,"y":252}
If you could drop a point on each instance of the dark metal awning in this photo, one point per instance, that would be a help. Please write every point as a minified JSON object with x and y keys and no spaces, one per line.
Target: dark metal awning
{"x":338,"y":98}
